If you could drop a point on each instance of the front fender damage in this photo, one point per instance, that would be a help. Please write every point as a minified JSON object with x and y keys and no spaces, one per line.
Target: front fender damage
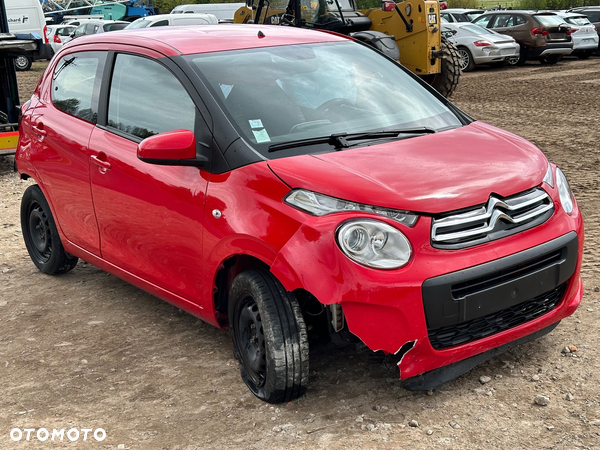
{"x":384,"y":313}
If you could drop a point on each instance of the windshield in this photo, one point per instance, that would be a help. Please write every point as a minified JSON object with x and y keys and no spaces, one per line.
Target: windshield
{"x":473,"y":15}
{"x":476,"y":29}
{"x":139,"y":23}
{"x":280,"y":94}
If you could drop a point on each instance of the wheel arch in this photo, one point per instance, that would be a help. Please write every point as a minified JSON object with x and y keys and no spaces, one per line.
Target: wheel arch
{"x":26,"y":175}
{"x":235,"y":263}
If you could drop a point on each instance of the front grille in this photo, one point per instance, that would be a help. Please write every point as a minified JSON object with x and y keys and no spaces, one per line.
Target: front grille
{"x":498,"y":218}
{"x":461,"y":290}
{"x":490,"y":324}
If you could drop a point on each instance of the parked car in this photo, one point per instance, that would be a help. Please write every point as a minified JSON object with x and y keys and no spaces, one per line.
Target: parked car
{"x":25,"y":19}
{"x":460,"y":14}
{"x":79,"y":19}
{"x":281,"y":180}
{"x":585,"y":37}
{"x":59,"y":35}
{"x":593,"y":14}
{"x":223,"y":11}
{"x":98,"y":26}
{"x":477,"y":45}
{"x":161,"y":20}
{"x":542,"y":35}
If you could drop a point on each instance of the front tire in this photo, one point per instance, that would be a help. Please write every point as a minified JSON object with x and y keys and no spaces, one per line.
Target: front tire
{"x":23,"y":62}
{"x":446,"y":81}
{"x":269,"y":337}
{"x":41,"y":235}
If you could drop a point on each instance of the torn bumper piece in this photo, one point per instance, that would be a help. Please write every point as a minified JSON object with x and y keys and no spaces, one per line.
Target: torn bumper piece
{"x":437,"y":377}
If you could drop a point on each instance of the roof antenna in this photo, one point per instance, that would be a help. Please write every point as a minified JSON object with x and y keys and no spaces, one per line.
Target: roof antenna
{"x":261,"y":34}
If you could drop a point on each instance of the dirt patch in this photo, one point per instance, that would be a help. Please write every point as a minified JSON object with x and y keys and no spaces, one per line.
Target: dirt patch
{"x":87,"y":350}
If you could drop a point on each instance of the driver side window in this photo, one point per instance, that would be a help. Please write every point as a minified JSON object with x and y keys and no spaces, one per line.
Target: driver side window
{"x":152,"y":102}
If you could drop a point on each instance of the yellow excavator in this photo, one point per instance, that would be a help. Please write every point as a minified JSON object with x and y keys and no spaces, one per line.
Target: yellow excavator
{"x":409,"y":31}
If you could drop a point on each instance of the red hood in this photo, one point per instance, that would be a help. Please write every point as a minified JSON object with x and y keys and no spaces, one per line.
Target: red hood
{"x":432,"y":174}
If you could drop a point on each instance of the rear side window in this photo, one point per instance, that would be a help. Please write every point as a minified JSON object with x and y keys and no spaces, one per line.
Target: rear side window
{"x":147,"y":99}
{"x":76,"y":84}
{"x":160,"y":23}
{"x":519,"y":20}
{"x":503,"y":21}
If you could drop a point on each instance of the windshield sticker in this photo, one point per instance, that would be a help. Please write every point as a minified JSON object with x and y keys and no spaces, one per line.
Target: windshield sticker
{"x":226,"y":89}
{"x":261,"y":136}
{"x":256,"y":123}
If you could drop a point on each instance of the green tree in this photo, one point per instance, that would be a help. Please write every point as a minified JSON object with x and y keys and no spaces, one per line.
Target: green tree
{"x":467,"y":4}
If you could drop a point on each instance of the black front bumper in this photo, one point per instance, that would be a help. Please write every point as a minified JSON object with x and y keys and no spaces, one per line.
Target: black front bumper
{"x":480,"y":301}
{"x":437,"y":377}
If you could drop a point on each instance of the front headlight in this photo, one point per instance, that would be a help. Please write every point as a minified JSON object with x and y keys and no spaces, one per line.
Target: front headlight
{"x":373,"y":244}
{"x":564,"y":192}
{"x":321,"y":205}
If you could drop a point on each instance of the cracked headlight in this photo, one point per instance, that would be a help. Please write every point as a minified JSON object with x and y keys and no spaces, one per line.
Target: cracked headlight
{"x":373,"y":244}
{"x":564,"y":192}
{"x":321,"y":205}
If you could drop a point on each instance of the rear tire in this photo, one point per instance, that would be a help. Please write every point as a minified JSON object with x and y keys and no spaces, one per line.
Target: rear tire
{"x":23,"y":62}
{"x":550,"y":59}
{"x":466,"y":59}
{"x":41,"y":235}
{"x":518,"y":60}
{"x":584,"y":55}
{"x":269,"y":337}
{"x":446,"y":81}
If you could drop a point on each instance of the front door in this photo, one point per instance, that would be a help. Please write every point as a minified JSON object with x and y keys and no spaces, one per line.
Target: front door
{"x":150,"y":216}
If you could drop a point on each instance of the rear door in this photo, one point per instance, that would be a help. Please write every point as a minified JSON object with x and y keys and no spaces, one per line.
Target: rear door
{"x":62,"y":122}
{"x":150,"y":216}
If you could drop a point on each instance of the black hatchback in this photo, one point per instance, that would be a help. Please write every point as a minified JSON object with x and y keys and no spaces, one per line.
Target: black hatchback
{"x":542,"y":35}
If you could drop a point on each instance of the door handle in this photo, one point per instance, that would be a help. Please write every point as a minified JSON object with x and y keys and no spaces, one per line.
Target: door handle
{"x":100,"y":163}
{"x":38,"y":130}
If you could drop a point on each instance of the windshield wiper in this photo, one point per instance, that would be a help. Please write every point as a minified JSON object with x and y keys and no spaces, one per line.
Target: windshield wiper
{"x":340,"y":140}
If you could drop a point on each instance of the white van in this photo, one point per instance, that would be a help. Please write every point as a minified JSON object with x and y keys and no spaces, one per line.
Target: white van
{"x":27,"y":17}
{"x":223,"y":11}
{"x":162,"y":20}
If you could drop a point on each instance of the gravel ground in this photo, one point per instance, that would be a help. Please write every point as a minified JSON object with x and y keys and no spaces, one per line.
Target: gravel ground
{"x":87,"y":350}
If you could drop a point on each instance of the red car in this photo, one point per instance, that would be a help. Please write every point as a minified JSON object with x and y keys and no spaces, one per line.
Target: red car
{"x":274,"y":180}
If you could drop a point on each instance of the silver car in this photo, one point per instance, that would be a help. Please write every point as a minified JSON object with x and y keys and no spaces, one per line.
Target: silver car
{"x":585,"y":39}
{"x":58,"y":35}
{"x":460,"y":14}
{"x":477,"y":45}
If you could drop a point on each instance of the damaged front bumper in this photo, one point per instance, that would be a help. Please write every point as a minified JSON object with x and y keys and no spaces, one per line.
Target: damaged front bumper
{"x":445,"y":306}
